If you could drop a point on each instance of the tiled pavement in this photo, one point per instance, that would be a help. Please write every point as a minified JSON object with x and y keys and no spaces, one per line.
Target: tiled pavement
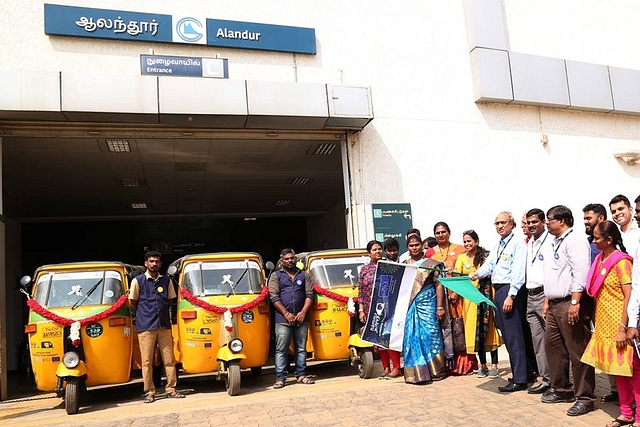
{"x":338,"y":398}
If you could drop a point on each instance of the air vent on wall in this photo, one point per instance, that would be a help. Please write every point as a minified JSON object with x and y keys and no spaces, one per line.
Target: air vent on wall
{"x":324,"y":149}
{"x":300,"y":181}
{"x":283,"y":202}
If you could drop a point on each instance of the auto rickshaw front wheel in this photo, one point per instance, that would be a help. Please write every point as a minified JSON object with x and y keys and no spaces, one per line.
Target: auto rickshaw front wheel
{"x":365,"y":365}
{"x":232,"y":381}
{"x":72,"y":395}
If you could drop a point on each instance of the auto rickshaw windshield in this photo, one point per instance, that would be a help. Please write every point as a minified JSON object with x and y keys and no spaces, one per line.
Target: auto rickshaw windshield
{"x":65,"y":289}
{"x":337,"y":272}
{"x":222,"y":277}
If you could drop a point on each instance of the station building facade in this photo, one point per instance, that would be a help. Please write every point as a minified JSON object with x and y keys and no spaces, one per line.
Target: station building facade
{"x":306,"y":112}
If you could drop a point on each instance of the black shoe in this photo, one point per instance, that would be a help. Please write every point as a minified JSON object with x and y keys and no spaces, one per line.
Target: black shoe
{"x":512,"y":387}
{"x":538,"y":389}
{"x":580,"y":408}
{"x":612,"y":396}
{"x":550,"y":396}
{"x":530,"y":379}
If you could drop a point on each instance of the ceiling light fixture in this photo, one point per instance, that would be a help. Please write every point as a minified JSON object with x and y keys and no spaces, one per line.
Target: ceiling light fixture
{"x":250,"y":219}
{"x":93,"y":132}
{"x":139,"y":205}
{"x":300,"y":181}
{"x":324,"y":149}
{"x":118,"y":145}
{"x":130,"y":182}
{"x":283,"y":202}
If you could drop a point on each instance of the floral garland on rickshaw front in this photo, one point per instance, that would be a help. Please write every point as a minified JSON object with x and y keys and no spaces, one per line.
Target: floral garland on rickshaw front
{"x":351,"y":306}
{"x":75,"y":325}
{"x":225,"y":311}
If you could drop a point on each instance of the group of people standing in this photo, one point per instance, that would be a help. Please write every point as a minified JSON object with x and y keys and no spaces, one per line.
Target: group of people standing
{"x":566,"y":303}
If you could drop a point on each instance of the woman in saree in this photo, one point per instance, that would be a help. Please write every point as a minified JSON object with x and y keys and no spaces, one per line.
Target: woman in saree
{"x":609,"y":281}
{"x":480,"y":332}
{"x":423,"y":348}
{"x":448,"y":253}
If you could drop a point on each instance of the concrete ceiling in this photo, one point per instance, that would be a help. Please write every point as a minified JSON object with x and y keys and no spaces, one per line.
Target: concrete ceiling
{"x":46,"y":178}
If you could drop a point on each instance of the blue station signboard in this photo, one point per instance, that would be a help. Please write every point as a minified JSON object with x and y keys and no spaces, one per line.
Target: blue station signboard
{"x":61,"y":20}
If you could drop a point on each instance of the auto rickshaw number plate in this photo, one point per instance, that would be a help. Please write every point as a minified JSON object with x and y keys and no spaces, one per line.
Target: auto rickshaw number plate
{"x":247,"y":316}
{"x":94,"y":330}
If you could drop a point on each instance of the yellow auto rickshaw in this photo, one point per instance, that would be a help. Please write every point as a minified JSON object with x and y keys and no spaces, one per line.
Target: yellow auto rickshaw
{"x":79,"y":327}
{"x":223,"y":314}
{"x":333,"y":321}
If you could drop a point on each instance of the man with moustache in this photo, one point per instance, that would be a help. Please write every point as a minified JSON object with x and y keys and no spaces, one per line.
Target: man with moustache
{"x":620,"y":208}
{"x":506,"y":265}
{"x":150,"y":296}
{"x":594,"y":214}
{"x":536,"y":252}
{"x":568,"y":312}
{"x":525,"y":228}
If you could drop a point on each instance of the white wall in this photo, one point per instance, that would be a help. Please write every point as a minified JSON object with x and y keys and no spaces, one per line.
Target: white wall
{"x":430,"y":144}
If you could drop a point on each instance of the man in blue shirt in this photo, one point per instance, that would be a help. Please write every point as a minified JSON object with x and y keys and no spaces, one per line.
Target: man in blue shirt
{"x":291,"y":293}
{"x":507,"y":264}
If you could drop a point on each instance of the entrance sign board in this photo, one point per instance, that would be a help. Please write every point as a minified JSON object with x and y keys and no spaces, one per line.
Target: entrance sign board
{"x":160,"y":65}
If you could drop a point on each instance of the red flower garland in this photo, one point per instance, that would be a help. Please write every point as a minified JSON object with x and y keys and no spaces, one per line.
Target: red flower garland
{"x":216,"y":309}
{"x":35,"y":306}
{"x":334,"y":296}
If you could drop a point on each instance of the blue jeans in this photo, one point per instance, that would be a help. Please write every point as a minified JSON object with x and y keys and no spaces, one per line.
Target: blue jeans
{"x":283,"y":338}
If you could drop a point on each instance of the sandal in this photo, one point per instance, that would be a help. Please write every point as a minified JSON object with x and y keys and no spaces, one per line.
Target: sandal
{"x":279,"y":384}
{"x":306,"y":379}
{"x":175,"y":395}
{"x":149,"y":398}
{"x":619,"y":423}
{"x":394,"y":374}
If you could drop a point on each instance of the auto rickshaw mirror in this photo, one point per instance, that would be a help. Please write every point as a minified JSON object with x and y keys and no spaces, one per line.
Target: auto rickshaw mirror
{"x":25,"y":281}
{"x":270,"y":266}
{"x":172,"y":270}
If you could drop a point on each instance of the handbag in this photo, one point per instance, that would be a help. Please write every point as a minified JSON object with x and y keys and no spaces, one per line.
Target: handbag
{"x":457,"y":332}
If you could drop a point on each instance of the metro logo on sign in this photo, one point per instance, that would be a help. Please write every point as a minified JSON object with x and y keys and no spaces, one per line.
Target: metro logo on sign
{"x":190,"y":29}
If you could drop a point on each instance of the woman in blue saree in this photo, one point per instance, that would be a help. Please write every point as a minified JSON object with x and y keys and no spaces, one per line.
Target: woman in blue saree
{"x":424,"y":349}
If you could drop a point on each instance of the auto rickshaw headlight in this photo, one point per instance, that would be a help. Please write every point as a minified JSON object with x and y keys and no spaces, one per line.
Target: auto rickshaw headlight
{"x":71,"y":359}
{"x":235,"y":345}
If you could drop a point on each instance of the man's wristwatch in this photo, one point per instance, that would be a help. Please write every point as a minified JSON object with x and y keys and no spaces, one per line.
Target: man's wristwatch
{"x":575,"y":301}
{"x":513,"y":297}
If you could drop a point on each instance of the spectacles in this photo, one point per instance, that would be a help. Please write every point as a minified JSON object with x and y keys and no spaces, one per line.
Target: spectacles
{"x":497,"y":223}
{"x":552,"y":219}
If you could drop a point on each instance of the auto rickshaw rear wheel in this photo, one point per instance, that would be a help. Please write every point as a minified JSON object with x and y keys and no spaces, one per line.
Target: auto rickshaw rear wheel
{"x":72,"y":396}
{"x":232,"y":381}
{"x":365,"y":366}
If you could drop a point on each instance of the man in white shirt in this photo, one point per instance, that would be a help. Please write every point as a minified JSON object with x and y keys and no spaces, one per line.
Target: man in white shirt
{"x":568,"y":312}
{"x":633,"y":309}
{"x":537,"y":245}
{"x":620,"y":208}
